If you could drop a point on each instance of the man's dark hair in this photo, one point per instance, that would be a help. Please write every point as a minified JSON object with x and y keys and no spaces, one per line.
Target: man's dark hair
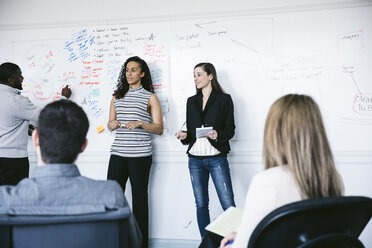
{"x":7,"y":70}
{"x":63,"y":126}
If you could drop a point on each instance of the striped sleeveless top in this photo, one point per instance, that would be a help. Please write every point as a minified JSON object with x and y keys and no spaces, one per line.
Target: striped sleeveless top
{"x":132,"y":107}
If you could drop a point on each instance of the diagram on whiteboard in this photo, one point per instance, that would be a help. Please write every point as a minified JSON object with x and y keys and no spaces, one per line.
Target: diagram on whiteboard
{"x":258,"y":59}
{"x":89,"y":60}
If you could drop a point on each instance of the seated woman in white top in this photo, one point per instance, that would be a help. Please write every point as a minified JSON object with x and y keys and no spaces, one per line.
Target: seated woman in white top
{"x":298,"y":161}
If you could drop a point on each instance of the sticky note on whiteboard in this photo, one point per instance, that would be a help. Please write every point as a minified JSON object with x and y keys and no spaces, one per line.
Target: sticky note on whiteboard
{"x":100,"y":129}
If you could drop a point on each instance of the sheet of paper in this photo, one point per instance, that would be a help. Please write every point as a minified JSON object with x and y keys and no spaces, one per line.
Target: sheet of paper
{"x":202,"y":131}
{"x":227,"y":222}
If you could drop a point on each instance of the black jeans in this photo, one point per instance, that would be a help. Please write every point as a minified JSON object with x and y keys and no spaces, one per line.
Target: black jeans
{"x":138,"y":172}
{"x":13,"y":170}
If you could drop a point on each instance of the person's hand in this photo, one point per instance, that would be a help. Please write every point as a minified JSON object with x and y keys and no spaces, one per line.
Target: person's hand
{"x":212,"y":134}
{"x":133,"y":124}
{"x":113,"y":125}
{"x":226,"y":242}
{"x":31,"y":128}
{"x":181,"y":135}
{"x":66,"y":92}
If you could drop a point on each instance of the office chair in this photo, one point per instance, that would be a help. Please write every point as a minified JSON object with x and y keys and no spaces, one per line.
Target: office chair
{"x":109,"y":229}
{"x":332,"y":222}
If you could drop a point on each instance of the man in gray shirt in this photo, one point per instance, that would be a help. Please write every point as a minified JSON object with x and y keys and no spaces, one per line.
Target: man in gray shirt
{"x":16,"y":112}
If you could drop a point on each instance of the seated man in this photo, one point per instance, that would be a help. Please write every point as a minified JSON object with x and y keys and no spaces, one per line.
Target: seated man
{"x":56,"y":187}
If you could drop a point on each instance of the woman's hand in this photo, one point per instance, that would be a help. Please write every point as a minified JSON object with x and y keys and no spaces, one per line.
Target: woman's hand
{"x":181,"y":135}
{"x":113,"y":125}
{"x":226,"y":242}
{"x":133,"y":124}
{"x":212,"y":135}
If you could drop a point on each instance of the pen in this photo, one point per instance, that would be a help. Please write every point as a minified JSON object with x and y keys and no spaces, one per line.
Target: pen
{"x":230,"y":242}
{"x":183,"y":127}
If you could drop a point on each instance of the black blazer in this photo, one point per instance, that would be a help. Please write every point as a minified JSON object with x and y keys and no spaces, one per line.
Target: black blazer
{"x":218,"y":114}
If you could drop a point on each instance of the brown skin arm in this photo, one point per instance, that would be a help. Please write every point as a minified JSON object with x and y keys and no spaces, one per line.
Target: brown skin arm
{"x":113,"y":124}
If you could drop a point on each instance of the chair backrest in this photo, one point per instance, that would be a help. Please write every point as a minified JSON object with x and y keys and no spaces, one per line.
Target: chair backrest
{"x":108,"y":229}
{"x":314,"y":221}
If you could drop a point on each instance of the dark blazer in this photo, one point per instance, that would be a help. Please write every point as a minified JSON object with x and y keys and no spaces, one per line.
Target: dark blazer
{"x":218,"y":113}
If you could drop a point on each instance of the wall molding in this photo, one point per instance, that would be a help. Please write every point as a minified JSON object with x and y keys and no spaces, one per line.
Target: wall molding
{"x":174,"y":243}
{"x":236,"y":157}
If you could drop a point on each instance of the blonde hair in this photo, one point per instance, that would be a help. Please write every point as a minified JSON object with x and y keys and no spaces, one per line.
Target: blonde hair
{"x":295,"y":136}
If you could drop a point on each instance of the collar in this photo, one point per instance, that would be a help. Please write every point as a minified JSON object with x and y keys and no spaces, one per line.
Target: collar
{"x":213,"y":93}
{"x":56,"y":170}
{"x":136,"y":89}
{"x":7,"y":88}
{"x":211,"y":99}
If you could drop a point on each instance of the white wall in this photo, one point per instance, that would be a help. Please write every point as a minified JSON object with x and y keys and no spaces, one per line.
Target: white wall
{"x":31,"y":12}
{"x":171,"y":200}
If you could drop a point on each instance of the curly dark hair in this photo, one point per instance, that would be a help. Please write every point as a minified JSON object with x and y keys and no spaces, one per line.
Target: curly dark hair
{"x":123,"y":86}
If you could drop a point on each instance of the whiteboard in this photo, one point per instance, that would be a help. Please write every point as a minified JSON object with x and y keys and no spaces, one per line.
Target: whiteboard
{"x":89,"y":60}
{"x":326,"y":54}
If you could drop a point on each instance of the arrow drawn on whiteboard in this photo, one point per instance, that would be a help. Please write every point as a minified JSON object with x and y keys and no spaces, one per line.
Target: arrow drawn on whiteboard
{"x":84,"y":102}
{"x":350,"y":69}
{"x":200,"y":24}
{"x":245,"y":46}
{"x":356,"y":85}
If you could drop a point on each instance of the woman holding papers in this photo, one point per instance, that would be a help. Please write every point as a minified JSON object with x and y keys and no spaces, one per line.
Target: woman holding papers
{"x":135,"y":113}
{"x":298,"y":161}
{"x":210,"y":126}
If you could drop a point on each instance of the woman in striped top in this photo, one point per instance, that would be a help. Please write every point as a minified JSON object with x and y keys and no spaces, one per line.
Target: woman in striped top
{"x":135,"y":113}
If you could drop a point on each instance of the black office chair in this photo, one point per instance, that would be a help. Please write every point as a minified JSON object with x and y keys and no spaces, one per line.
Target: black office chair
{"x":333,"y":222}
{"x":110,"y":229}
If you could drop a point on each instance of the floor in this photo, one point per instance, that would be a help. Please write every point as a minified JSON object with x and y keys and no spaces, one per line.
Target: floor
{"x":173,"y":243}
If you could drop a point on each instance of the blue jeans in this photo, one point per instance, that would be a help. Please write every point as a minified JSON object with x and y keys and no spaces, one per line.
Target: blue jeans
{"x":219,"y":169}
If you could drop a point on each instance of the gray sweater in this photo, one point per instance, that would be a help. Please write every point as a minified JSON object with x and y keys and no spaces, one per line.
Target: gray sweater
{"x":16,"y":112}
{"x":60,"y":189}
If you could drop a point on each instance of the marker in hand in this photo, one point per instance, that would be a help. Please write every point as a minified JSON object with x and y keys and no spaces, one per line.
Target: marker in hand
{"x":230,"y":242}
{"x":66,"y":92}
{"x":131,"y":125}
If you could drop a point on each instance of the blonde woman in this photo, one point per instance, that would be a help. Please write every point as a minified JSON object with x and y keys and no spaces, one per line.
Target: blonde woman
{"x":298,"y":161}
